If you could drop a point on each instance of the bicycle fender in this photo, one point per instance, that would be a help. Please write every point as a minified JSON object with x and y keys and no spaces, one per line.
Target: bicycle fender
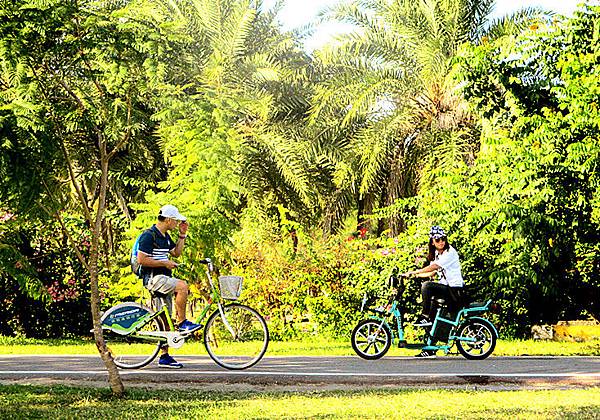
{"x":485,"y":321}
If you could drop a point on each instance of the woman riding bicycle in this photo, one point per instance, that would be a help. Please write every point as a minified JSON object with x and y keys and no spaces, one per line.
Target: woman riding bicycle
{"x":443,"y":260}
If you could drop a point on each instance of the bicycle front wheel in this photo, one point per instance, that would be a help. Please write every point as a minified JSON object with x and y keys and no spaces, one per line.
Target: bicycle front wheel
{"x":371,"y":339}
{"x":236,"y":339}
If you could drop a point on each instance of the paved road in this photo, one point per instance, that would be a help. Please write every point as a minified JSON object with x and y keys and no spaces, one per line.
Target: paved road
{"x":322,"y":371}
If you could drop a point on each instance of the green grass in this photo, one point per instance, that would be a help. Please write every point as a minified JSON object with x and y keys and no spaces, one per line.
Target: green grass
{"x":317,"y":346}
{"x":23,"y":401}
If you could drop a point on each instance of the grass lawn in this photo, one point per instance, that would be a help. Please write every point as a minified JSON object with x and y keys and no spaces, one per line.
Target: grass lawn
{"x":315,"y":347}
{"x":23,"y":401}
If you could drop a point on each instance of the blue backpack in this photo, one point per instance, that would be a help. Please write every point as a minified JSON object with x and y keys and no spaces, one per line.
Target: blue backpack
{"x":136,"y":267}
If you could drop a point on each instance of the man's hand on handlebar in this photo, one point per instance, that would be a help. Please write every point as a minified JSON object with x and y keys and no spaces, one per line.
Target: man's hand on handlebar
{"x":170,"y":264}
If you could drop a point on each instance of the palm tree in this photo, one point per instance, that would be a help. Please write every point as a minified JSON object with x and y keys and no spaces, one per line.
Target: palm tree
{"x":390,"y":88}
{"x":232,"y":63}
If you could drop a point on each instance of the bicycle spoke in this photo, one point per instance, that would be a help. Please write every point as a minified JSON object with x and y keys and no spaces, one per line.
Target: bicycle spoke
{"x":362,"y":335}
{"x":380,"y":339}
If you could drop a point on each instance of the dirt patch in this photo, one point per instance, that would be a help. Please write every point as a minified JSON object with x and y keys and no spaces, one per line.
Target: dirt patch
{"x":309,"y":387}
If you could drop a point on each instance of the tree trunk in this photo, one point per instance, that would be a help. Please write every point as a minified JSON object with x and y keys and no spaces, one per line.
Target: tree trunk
{"x":294,"y":236}
{"x":114,"y":378}
{"x":361,"y":222}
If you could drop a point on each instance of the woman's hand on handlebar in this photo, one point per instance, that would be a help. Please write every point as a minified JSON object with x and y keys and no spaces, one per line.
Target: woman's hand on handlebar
{"x":416,"y":274}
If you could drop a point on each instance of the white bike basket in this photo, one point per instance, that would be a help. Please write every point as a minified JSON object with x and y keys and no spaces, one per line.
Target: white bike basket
{"x":230,"y":286}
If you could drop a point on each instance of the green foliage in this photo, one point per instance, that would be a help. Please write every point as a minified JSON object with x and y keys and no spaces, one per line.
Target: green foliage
{"x":524,"y":216}
{"x":72,"y":104}
{"x":389,"y":91}
{"x":318,"y":288}
{"x":221,"y":128}
{"x":209,"y":106}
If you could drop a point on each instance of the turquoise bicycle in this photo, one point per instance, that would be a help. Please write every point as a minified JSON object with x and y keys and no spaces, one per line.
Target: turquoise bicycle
{"x":235,"y":335}
{"x":474,"y":336}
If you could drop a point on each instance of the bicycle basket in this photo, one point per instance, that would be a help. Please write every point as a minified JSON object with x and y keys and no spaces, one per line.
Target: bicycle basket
{"x":230,"y":286}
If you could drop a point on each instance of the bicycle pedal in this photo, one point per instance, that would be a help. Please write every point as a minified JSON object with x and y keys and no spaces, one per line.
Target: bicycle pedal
{"x":402,"y":344}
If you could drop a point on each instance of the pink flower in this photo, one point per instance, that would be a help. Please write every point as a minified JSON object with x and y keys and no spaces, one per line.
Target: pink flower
{"x":6,"y":217}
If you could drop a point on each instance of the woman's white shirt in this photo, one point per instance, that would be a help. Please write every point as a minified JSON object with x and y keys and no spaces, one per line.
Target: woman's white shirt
{"x":449,"y":272}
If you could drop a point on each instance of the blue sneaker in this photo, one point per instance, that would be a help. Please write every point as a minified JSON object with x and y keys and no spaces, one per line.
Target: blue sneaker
{"x":167,"y":361}
{"x":188,"y":327}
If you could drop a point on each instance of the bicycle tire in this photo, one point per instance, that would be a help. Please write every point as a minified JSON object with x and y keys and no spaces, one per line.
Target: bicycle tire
{"x":365,"y":342}
{"x":241,"y":349}
{"x":127,"y":351}
{"x":483,"y":332}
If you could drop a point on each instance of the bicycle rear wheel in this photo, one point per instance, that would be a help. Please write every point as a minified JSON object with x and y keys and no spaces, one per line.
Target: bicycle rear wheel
{"x":130,"y":351}
{"x":239,"y":339}
{"x":484,"y":339}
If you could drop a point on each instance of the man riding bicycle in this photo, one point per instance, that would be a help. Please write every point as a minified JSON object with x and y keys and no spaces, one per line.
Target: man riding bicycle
{"x":155,"y":247}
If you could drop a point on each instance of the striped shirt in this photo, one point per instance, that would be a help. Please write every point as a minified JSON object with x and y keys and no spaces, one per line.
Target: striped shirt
{"x":158,"y":246}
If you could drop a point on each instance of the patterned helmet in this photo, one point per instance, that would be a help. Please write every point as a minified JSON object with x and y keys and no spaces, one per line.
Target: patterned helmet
{"x":437,"y":232}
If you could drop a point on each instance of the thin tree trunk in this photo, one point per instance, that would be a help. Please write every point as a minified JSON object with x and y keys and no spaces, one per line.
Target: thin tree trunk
{"x":360,"y":219}
{"x":294,"y":236}
{"x":114,"y":378}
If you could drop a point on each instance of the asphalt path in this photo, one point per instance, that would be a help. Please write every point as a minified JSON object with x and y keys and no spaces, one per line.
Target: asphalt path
{"x":309,"y":371}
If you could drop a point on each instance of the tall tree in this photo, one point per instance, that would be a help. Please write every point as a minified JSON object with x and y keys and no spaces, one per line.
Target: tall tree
{"x":73,"y":83}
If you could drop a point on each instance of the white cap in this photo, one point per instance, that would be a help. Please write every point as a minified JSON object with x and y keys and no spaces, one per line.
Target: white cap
{"x":171,"y":212}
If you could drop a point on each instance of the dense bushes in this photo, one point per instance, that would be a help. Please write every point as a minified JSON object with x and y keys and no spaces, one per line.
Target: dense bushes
{"x":43,"y":289}
{"x":318,"y":289}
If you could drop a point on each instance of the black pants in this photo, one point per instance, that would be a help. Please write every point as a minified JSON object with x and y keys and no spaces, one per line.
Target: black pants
{"x":430,"y":289}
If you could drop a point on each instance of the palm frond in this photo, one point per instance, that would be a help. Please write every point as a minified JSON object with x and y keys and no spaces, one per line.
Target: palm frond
{"x":515,"y":23}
